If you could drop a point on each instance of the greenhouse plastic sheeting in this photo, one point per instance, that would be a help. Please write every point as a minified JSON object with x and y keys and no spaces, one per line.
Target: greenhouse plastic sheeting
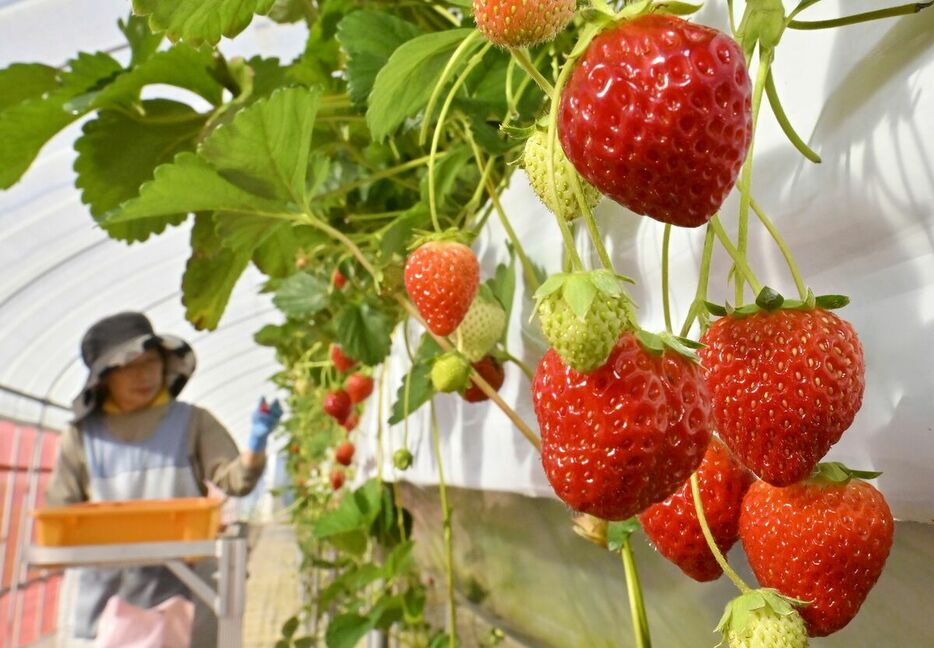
{"x":61,"y":272}
{"x":860,"y":223}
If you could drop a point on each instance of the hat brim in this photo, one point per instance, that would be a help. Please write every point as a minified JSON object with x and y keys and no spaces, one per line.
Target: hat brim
{"x":179,"y":358}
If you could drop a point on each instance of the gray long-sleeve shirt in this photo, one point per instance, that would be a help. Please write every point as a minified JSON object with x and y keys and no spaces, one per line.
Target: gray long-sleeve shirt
{"x":213,"y":453}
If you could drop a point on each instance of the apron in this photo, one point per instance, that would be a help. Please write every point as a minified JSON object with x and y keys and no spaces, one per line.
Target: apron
{"x":156,"y":468}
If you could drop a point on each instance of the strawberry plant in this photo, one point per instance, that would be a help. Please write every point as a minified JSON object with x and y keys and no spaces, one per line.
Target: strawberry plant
{"x":357,"y":177}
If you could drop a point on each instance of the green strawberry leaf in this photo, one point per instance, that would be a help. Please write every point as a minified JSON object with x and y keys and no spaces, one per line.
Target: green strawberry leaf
{"x":210,"y":275}
{"x":618,"y":532}
{"x":420,"y":389}
{"x":579,"y":293}
{"x":22,"y":81}
{"x":143,"y":43}
{"x":404,"y":85}
{"x":265,"y":148}
{"x":364,"y":333}
{"x":200,"y":21}
{"x":119,"y":151}
{"x":369,"y":38}
{"x":715,"y":309}
{"x":831,"y":302}
{"x":769,"y":299}
{"x":395,"y":240}
{"x":302,"y":295}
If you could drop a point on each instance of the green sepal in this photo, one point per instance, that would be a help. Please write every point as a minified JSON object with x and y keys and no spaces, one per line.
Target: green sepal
{"x":715,"y":309}
{"x":763,"y":22}
{"x":579,"y":289}
{"x":453,"y":235}
{"x":579,"y":293}
{"x":769,"y":299}
{"x":681,"y":346}
{"x":838,"y":473}
{"x":831,"y":302}
{"x":518,"y":133}
{"x":618,"y":532}
{"x":745,"y":311}
{"x":651,"y":342}
{"x":676,"y":7}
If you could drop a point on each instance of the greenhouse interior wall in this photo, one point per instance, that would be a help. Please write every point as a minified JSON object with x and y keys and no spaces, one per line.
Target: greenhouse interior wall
{"x":862,"y":220}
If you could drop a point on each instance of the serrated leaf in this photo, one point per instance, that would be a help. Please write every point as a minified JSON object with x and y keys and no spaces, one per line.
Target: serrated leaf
{"x":579,"y":293}
{"x":22,"y":81}
{"x":181,"y":66}
{"x":404,"y":85}
{"x":26,"y":126}
{"x":199,"y":21}
{"x":265,"y":148}
{"x":187,"y":185}
{"x":364,"y":333}
{"x":369,"y":38}
{"x":831,"y":302}
{"x":143,"y":43}
{"x":210,"y":275}
{"x":118,"y":152}
{"x":302,"y":295}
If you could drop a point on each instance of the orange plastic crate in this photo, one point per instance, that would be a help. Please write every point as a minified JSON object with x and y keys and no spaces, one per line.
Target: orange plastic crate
{"x":184,"y":519}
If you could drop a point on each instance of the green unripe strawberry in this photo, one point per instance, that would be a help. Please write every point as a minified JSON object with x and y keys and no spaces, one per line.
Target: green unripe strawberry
{"x":450,"y":372}
{"x":582,"y":315}
{"x":562,"y":200}
{"x":402,"y":459}
{"x":763,"y":618}
{"x":481,"y":327}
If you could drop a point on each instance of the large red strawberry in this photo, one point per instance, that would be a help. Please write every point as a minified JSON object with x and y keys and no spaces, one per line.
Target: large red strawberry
{"x":784,"y":386}
{"x":337,"y":405}
{"x":492,"y":372}
{"x":823,"y":540}
{"x":442,"y":277}
{"x":522,"y":23}
{"x":672,"y":525}
{"x":625,"y":436}
{"x":657,"y":115}
{"x":342,"y":362}
{"x":359,"y":387}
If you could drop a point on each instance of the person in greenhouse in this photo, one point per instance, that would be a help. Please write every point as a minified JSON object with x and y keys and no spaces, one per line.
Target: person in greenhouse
{"x":132,"y":439}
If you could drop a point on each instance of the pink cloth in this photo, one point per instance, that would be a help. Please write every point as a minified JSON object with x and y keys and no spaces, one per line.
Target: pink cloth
{"x":167,"y":625}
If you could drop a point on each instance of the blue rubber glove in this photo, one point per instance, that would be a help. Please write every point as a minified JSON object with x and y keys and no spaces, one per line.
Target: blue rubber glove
{"x":265,"y":419}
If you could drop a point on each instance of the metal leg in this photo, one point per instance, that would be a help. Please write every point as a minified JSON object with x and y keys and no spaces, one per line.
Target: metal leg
{"x":231,"y":588}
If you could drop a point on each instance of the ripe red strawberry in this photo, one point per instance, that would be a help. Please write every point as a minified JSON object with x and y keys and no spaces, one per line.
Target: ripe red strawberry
{"x":625,"y":436}
{"x":342,"y":362}
{"x":442,"y":277}
{"x":337,"y":405}
{"x":492,"y":372}
{"x":338,"y":279}
{"x":823,"y":540}
{"x":672,"y":525}
{"x":657,"y":115}
{"x":351,"y":423}
{"x":343,"y":454}
{"x":359,"y":387}
{"x":784,"y":385}
{"x":522,"y":23}
{"x":337,"y":479}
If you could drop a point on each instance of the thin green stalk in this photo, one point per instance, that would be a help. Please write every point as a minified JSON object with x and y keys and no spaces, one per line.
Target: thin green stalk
{"x":474,"y":61}
{"x":448,"y":534}
{"x":340,"y":236}
{"x":708,"y":536}
{"x":741,"y":267}
{"x":566,"y":234}
{"x":640,"y":623}
{"x":891,"y":12}
{"x":590,"y":221}
{"x":700,"y":296}
{"x":804,"y":4}
{"x":521,"y":57}
{"x":765,"y":61}
{"x":408,"y":385}
{"x":524,"y":367}
{"x":666,"y":298}
{"x":783,"y":246}
{"x":446,"y":73}
{"x":373,"y":177}
{"x":379,"y":426}
{"x":785,"y":123}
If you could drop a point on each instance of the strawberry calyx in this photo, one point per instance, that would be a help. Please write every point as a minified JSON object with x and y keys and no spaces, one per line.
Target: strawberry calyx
{"x":763,"y":22}
{"x":835,"y":472}
{"x":741,"y":613}
{"x":580,"y":289}
{"x":452,"y":235}
{"x":769,"y":300}
{"x":656,"y":343}
{"x":591,"y":528}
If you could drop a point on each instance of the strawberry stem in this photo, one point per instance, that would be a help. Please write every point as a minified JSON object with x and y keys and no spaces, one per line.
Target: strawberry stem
{"x":700,"y":296}
{"x":590,"y":221}
{"x":742,"y":267}
{"x":524,"y":367}
{"x":436,"y":138}
{"x":640,"y":622}
{"x":891,"y":12}
{"x":783,"y":246}
{"x":666,"y":300}
{"x":459,"y":53}
{"x":708,"y":536}
{"x":762,"y":74}
{"x":783,"y":121}
{"x":448,"y":535}
{"x":521,"y":57}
